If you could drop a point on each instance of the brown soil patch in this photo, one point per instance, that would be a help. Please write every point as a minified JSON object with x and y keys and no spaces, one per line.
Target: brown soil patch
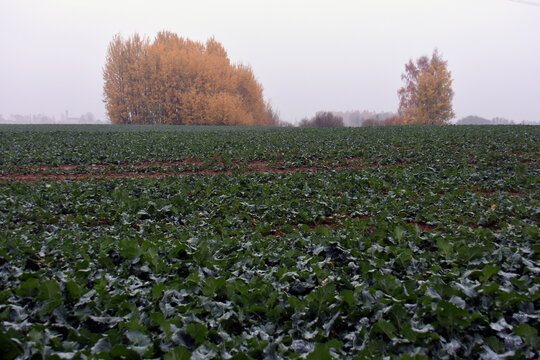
{"x":165,"y":164}
{"x":140,"y":165}
{"x":48,"y":173}
{"x":490,"y":193}
{"x":259,"y":165}
{"x":485,"y":192}
{"x":111,"y":175}
{"x":492,"y":227}
{"x":354,"y":160}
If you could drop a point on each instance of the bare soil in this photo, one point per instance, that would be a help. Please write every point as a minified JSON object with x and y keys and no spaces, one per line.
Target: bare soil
{"x":96,"y":171}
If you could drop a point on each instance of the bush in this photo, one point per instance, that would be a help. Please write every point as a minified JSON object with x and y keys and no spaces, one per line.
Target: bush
{"x":323,"y":119}
{"x":373,"y":122}
{"x":391,"y":121}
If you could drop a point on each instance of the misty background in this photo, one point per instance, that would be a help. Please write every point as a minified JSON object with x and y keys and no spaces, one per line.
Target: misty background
{"x":308,"y":55}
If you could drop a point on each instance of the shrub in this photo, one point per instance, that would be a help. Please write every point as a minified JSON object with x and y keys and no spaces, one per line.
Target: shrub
{"x":323,"y":119}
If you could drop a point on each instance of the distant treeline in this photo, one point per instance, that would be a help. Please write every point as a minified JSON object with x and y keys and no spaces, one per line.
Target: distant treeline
{"x":357,"y":117}
{"x":352,"y":118}
{"x":87,"y":118}
{"x":173,"y":80}
{"x":477,"y":120}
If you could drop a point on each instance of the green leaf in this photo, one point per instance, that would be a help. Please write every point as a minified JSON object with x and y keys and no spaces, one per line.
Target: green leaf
{"x":529,"y":334}
{"x":159,"y":319}
{"x":488,"y":271}
{"x":157,"y":291}
{"x":495,"y":344}
{"x":197,"y":331}
{"x":319,"y":298}
{"x":348,"y":297}
{"x":452,"y":317}
{"x":213,"y":285}
{"x":29,"y":288}
{"x":321,"y":352}
{"x":408,"y":332}
{"x":10,"y":349}
{"x":446,"y":248}
{"x":389,"y":284}
{"x":151,"y":255}
{"x":385,"y":327}
{"x":413,"y":357}
{"x":73,"y":290}
{"x":129,"y":249}
{"x":334,"y":344}
{"x":178,"y":353}
{"x":49,"y":290}
{"x":467,"y":253}
{"x":404,"y":257}
{"x":123,"y":352}
{"x":398,"y":233}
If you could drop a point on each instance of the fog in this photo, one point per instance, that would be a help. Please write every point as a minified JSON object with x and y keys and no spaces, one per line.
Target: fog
{"x":308,"y":55}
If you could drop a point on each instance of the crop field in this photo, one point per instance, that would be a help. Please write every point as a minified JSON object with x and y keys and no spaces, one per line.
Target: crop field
{"x":121,"y":242}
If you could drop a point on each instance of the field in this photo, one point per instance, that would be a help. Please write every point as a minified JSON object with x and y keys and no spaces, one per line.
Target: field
{"x":174,"y":242}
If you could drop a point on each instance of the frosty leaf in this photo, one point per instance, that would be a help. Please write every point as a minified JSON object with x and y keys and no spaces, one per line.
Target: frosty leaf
{"x":102,"y":345}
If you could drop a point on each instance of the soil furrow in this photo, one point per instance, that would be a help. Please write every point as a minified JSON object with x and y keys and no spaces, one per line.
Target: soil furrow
{"x":255,"y":167}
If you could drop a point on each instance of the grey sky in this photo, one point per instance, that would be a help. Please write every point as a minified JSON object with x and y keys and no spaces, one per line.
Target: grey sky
{"x":309,"y":55}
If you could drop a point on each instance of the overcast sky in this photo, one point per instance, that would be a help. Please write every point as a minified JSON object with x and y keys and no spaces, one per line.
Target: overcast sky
{"x":309,"y":55}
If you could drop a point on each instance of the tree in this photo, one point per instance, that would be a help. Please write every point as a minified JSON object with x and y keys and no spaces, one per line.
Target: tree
{"x":327,"y":119}
{"x":173,"y":80}
{"x":427,"y":95}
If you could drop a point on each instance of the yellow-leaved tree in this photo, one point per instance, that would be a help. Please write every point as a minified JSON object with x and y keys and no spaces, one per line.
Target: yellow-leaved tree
{"x":427,"y":95}
{"x":173,"y":80}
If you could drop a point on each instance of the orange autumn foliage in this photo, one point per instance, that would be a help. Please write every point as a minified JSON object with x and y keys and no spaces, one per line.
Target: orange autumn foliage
{"x":173,"y":80}
{"x":427,"y":95}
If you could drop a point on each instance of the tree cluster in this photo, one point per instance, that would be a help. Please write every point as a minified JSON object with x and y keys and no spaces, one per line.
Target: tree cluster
{"x":322,"y":119}
{"x":173,"y":80}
